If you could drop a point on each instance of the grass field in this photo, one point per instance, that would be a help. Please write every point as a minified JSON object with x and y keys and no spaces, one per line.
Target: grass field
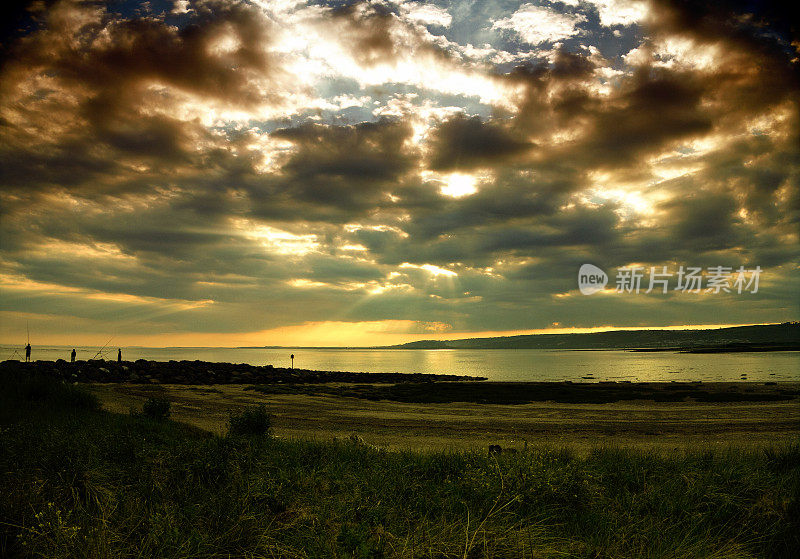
{"x":81,"y":482}
{"x":312,"y":412}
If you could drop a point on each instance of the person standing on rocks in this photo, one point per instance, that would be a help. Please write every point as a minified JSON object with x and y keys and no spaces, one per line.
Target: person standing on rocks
{"x":119,"y":355}
{"x":72,"y":356}
{"x":28,"y":352}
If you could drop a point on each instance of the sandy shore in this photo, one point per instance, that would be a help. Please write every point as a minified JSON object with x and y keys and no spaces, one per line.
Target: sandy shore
{"x":664,"y":426}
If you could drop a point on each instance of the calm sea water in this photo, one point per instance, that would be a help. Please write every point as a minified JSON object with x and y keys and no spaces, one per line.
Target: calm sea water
{"x":498,"y":365}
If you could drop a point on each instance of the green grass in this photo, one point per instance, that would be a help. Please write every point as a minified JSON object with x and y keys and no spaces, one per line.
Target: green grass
{"x":78,"y":482}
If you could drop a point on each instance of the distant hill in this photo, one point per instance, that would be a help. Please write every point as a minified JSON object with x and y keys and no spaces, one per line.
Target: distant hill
{"x":765,"y":335}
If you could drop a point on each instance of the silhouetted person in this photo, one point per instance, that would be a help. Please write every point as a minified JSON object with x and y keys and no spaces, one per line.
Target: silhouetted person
{"x":292,"y":357}
{"x":27,"y":352}
{"x":119,"y":355}
{"x":72,"y":356}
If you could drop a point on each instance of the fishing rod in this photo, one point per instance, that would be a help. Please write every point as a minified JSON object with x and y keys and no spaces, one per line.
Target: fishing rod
{"x":102,"y":348}
{"x":104,"y":354}
{"x":100,"y":351}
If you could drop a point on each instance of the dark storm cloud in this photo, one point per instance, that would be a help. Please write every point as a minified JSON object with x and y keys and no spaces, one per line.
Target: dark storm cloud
{"x":582,"y":227}
{"x":760,"y":185}
{"x":658,"y":107}
{"x":466,"y":143}
{"x":364,"y":152}
{"x":347,"y":167}
{"x":706,"y":221}
{"x":553,"y":93}
{"x":100,"y":72}
{"x":68,"y":164}
{"x":761,"y":28}
{"x":155,"y":252}
{"x":472,"y":236}
{"x":337,"y":269}
{"x":156,"y":137}
{"x":112,"y":56}
{"x":756,"y":72}
{"x":759,"y":66}
{"x":652,"y":108}
{"x":369,"y":27}
{"x":375,"y":34}
{"x":491,"y":205}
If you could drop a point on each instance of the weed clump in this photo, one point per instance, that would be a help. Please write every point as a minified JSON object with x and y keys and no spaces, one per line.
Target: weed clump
{"x":250,"y":421}
{"x":156,"y":408}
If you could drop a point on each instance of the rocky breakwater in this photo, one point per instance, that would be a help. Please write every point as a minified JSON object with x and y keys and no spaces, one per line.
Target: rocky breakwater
{"x":203,"y":372}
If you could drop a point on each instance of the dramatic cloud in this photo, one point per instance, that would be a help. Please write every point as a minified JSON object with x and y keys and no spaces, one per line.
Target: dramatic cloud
{"x":389,"y":170}
{"x":469,"y":142}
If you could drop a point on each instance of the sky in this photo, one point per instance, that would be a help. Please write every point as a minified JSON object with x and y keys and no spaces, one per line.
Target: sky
{"x":226,"y":172}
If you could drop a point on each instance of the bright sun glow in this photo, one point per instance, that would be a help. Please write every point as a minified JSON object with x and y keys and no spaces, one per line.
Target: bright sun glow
{"x":435,"y":271}
{"x":631,"y":200}
{"x":275,"y":240}
{"x":458,"y":185}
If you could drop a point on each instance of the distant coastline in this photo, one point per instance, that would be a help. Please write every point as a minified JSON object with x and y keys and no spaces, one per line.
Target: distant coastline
{"x":728,"y":348}
{"x":764,"y":337}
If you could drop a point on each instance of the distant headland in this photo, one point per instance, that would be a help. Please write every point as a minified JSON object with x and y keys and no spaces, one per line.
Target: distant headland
{"x":763,"y":337}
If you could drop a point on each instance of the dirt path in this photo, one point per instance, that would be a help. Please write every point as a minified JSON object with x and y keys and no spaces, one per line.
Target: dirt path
{"x":662,"y":426}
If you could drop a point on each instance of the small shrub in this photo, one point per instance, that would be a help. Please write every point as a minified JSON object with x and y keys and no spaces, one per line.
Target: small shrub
{"x":250,"y":421}
{"x":156,"y":408}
